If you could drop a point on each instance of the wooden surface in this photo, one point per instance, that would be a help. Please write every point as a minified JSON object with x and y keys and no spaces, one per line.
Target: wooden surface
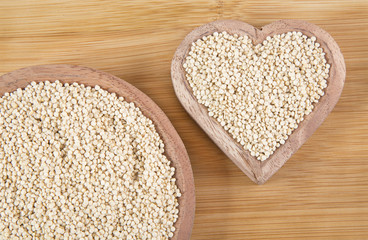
{"x":259,"y":172}
{"x":320,"y":193}
{"x":174,"y":147}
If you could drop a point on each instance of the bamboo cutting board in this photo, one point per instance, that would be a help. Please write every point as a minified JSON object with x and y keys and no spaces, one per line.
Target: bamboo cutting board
{"x":320,"y":193}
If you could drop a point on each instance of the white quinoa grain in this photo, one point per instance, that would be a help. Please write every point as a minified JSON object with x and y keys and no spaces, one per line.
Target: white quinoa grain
{"x":79,"y":163}
{"x":258,"y":93}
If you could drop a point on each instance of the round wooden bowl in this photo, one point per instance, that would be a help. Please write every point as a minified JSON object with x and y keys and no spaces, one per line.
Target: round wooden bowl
{"x":174,"y":147}
{"x":260,"y":171}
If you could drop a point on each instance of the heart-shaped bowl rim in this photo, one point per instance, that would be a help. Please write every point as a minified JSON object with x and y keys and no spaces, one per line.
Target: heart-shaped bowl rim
{"x":260,"y":171}
{"x":174,"y":147}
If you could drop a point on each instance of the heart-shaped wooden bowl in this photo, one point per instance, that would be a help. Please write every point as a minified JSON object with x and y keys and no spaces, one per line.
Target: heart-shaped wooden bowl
{"x":174,"y":147}
{"x":256,"y":170}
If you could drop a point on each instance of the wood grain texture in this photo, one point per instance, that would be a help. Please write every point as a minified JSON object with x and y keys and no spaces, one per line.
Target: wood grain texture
{"x":259,"y":172}
{"x":320,"y":193}
{"x":174,"y":147}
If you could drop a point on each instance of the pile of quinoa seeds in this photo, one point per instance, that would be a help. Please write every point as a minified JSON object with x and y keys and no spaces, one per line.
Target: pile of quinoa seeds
{"x":259,"y":94}
{"x":80,"y":163}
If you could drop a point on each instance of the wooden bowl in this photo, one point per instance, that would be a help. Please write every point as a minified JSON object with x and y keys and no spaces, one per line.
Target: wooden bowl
{"x":256,"y":170}
{"x":174,"y":147}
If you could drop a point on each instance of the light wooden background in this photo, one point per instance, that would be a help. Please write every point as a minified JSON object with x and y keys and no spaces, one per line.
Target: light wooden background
{"x":321,"y":192}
